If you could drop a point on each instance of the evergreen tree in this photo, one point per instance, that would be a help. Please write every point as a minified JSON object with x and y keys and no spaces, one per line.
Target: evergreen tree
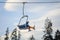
{"x":19,"y":35}
{"x":48,"y":30}
{"x":14,"y":35}
{"x":32,"y":38}
{"x":57,"y":35}
{"x":7,"y":34}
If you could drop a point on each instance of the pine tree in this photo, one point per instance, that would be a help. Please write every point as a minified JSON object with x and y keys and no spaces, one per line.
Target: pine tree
{"x":57,"y":35}
{"x":14,"y":35}
{"x":7,"y":34}
{"x":32,"y":38}
{"x":19,"y":35}
{"x":48,"y":30}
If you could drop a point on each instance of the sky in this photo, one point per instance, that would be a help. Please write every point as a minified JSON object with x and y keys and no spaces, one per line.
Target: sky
{"x":10,"y":13}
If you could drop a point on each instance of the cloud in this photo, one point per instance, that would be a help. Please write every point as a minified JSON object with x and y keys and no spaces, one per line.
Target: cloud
{"x":35,"y":9}
{"x":10,"y":6}
{"x":53,"y":12}
{"x":13,"y":6}
{"x":50,"y":13}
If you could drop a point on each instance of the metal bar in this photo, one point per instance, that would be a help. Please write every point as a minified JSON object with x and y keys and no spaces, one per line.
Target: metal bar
{"x":23,"y":8}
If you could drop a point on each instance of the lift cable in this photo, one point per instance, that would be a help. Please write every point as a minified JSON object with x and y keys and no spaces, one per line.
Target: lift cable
{"x":31,"y":2}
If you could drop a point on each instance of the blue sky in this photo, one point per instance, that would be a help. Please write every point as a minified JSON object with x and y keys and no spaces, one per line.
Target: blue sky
{"x":11,"y":13}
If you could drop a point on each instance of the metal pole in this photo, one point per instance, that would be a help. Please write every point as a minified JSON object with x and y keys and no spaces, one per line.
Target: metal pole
{"x":23,"y":8}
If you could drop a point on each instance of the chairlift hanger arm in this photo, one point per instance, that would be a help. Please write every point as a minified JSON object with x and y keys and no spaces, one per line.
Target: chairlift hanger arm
{"x":23,"y":15}
{"x":22,"y":18}
{"x":23,"y":8}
